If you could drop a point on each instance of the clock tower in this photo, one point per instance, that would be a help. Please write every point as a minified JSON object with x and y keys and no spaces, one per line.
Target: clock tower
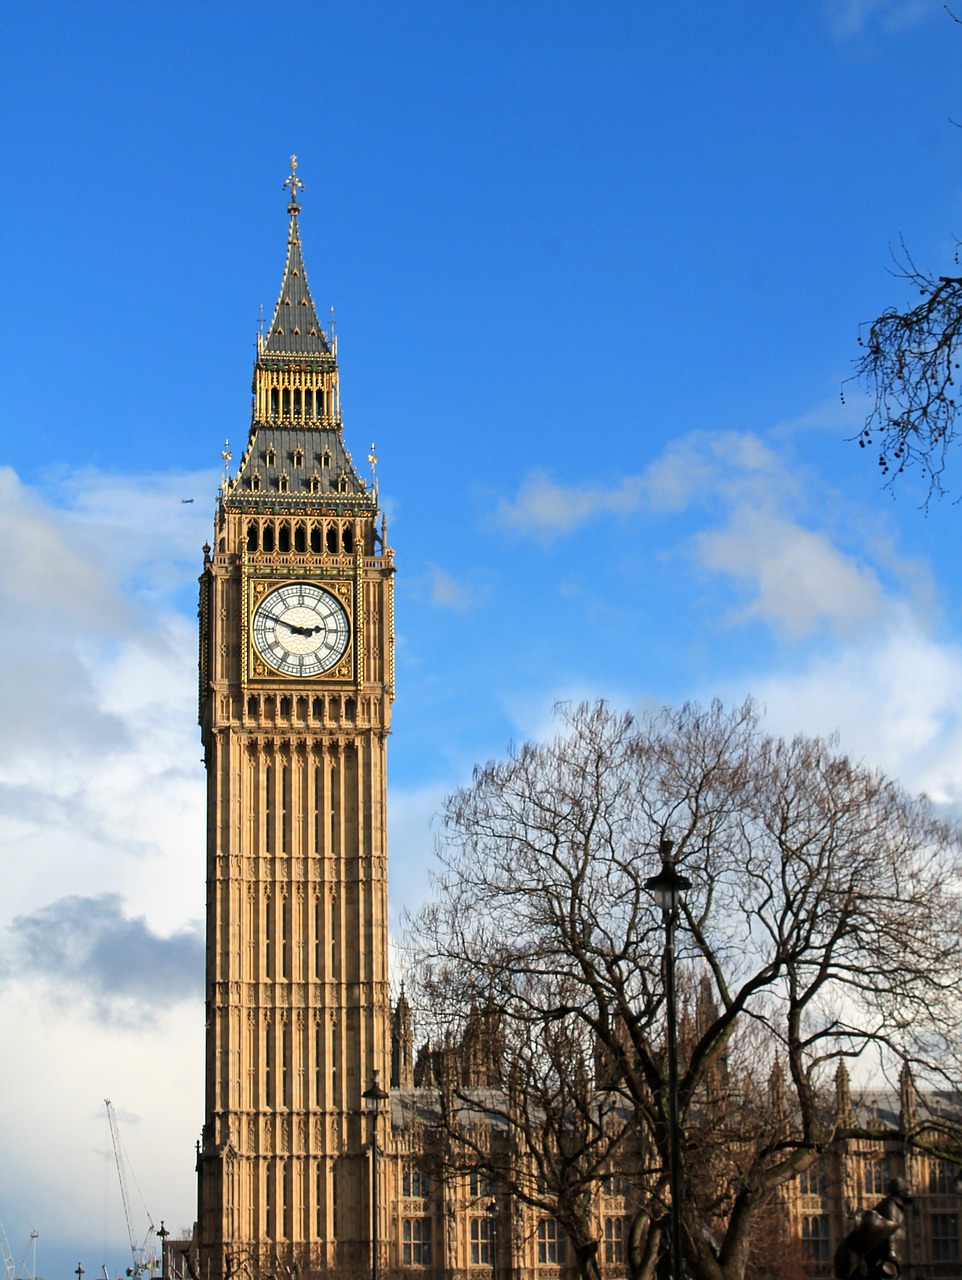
{"x":296,"y":682}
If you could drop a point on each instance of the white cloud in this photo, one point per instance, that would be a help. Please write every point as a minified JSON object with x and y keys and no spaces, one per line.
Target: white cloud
{"x":895,"y":700}
{"x":851,"y":18}
{"x":547,"y":510}
{"x":799,"y":581}
{"x":447,"y":592}
{"x":853,"y":626}
{"x":101,"y":839}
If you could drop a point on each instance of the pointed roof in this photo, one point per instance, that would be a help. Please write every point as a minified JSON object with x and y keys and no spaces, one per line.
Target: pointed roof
{"x":295,"y":329}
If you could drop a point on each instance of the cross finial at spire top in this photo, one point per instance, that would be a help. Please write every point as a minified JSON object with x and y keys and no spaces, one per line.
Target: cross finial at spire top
{"x":295,"y":185}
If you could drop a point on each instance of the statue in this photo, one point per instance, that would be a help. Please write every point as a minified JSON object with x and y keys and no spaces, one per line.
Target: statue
{"x":869,"y":1251}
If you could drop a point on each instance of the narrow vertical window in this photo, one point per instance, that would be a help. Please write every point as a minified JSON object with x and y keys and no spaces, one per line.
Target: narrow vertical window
{"x":269,"y":1065}
{"x":297,"y":402}
{"x":273,"y":402}
{"x":331,"y":539}
{"x":348,"y":539}
{"x":334,"y":1093}
{"x":286,"y":1065}
{"x":252,"y":539}
{"x":333,"y":815}
{"x":267,"y":538}
{"x":285,"y":788}
{"x":318,"y":1060}
{"x":317,"y":792}
{"x":268,"y":806}
{"x":287,"y":402}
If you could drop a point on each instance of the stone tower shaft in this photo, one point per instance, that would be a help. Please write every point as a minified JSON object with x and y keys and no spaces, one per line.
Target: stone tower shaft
{"x":296,"y":684}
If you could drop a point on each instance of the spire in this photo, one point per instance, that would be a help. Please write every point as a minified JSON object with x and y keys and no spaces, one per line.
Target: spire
{"x":295,"y":329}
{"x":295,"y":452}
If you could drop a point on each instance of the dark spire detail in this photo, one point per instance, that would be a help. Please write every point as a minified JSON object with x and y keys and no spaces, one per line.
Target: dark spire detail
{"x":295,"y":184}
{"x":295,"y":329}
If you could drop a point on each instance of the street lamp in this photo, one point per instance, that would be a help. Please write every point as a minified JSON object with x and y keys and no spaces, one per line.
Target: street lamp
{"x":667,"y":889}
{"x":163,"y":1233}
{"x":492,"y":1212}
{"x":374,"y":1098}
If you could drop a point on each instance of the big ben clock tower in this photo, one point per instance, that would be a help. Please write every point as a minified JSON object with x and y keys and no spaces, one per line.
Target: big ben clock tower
{"x":296,"y":681}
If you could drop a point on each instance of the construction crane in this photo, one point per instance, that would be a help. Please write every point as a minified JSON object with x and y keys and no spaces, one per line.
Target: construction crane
{"x":6,"y":1257}
{"x":143,"y":1260}
{"x":10,"y":1270}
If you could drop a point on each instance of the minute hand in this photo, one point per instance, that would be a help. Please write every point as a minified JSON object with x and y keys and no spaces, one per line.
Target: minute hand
{"x":297,"y":631}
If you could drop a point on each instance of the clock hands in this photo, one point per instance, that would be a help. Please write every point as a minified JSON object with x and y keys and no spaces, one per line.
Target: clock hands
{"x":295,"y":630}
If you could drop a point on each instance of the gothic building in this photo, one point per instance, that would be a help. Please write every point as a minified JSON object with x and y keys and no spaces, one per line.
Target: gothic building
{"x":296,"y":686}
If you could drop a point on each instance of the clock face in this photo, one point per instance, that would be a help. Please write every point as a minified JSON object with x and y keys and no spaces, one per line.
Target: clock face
{"x":301,"y":630}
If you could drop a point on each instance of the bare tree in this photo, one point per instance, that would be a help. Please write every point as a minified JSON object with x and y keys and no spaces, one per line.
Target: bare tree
{"x":910,"y":364}
{"x":823,"y":924}
{"x":520,"y":1112}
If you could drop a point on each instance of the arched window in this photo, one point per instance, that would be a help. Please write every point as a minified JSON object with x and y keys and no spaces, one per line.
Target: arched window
{"x":267,"y":537}
{"x":274,"y":402}
{"x":284,"y":537}
{"x":252,"y":539}
{"x":331,"y":538}
{"x":315,"y":536}
{"x":300,"y":538}
{"x":347,"y":539}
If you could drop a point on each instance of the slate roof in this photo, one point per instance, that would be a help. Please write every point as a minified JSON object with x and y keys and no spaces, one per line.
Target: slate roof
{"x":295,"y":308}
{"x":297,"y":456}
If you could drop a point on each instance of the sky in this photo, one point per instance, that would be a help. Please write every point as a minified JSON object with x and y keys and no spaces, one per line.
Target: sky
{"x":598,"y":273}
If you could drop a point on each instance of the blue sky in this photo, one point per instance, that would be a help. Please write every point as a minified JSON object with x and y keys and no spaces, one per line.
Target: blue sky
{"x":598,"y":273}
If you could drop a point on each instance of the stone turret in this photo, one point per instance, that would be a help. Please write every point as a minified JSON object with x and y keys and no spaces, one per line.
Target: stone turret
{"x":402,"y":1045}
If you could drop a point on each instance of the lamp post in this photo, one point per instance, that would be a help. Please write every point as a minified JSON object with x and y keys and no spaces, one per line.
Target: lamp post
{"x":492,"y":1212}
{"x":374,"y":1098}
{"x":667,"y":888}
{"x":163,"y":1233}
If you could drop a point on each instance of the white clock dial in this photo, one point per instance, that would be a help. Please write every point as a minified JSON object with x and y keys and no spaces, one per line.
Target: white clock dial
{"x":301,"y":629}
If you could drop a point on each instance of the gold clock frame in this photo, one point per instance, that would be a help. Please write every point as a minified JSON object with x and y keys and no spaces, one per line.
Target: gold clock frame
{"x":344,"y":671}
